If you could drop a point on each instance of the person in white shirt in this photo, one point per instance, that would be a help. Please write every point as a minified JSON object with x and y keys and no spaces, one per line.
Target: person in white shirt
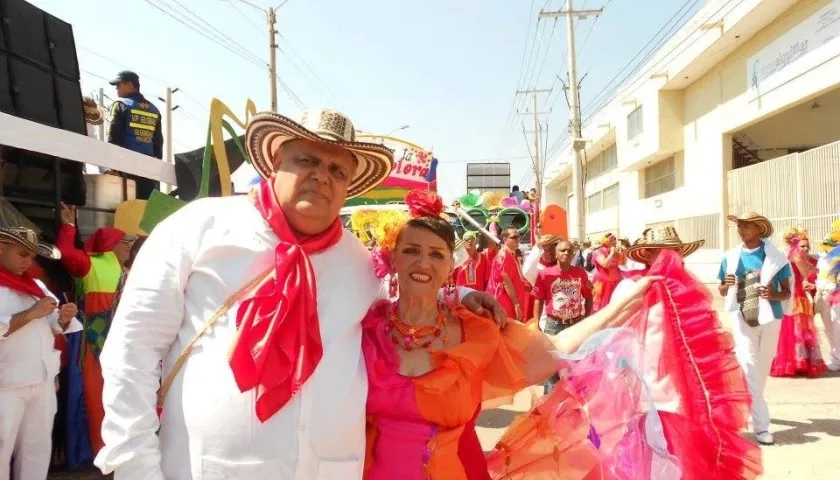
{"x":29,"y":321}
{"x":826,"y":284}
{"x":254,"y":304}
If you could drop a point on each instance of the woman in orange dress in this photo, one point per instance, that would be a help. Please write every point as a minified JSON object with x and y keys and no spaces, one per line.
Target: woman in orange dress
{"x":430,"y":366}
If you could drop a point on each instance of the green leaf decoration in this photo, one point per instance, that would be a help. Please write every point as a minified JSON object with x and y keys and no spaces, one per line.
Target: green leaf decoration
{"x":158,"y":207}
{"x":471,"y":200}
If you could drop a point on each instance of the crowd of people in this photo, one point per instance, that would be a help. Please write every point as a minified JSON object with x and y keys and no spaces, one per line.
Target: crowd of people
{"x":253,"y":337}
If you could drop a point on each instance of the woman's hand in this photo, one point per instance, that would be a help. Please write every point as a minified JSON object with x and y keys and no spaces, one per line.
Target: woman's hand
{"x":480,"y":302}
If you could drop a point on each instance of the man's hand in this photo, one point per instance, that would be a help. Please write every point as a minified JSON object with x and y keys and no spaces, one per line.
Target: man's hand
{"x":68,"y":213}
{"x":518,"y":311}
{"x":729,"y":280}
{"x":42,"y":308}
{"x":66,"y":313}
{"x":479,"y":302}
{"x":766,"y":293}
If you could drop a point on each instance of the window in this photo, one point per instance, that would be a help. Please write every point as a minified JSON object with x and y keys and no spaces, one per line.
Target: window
{"x":602,"y":163}
{"x":660,"y":178}
{"x":602,"y":200}
{"x":610,"y":196}
{"x":593,"y":203}
{"x":635,"y":126}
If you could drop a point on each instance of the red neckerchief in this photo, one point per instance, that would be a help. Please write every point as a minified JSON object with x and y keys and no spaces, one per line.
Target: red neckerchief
{"x":24,"y":284}
{"x":278,"y":342}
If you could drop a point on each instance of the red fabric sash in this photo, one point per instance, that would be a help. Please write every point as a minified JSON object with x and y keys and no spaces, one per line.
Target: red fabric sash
{"x":24,"y":284}
{"x":278,"y":342}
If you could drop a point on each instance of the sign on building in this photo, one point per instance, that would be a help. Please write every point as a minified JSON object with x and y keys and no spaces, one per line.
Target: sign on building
{"x":805,"y":46}
{"x":489,"y":177}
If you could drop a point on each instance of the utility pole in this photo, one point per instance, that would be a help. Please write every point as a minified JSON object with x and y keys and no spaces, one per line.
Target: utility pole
{"x":271,"y":12}
{"x":537,"y":158}
{"x":574,"y":110}
{"x":167,"y":136}
{"x":100,"y":129}
{"x":272,"y":57}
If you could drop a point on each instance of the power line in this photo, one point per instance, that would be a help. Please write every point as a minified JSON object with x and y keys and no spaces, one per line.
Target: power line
{"x":559,"y":143}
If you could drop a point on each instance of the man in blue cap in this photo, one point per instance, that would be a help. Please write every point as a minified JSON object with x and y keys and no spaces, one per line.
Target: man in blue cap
{"x":135,"y":125}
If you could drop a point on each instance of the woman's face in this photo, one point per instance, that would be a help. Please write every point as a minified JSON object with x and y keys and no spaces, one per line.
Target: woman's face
{"x":805,"y":245}
{"x":422,"y":261}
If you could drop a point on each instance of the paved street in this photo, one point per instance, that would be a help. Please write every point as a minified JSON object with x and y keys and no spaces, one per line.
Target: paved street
{"x":806,"y":421}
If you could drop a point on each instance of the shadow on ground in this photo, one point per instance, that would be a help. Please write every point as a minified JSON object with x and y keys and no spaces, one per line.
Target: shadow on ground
{"x":800,"y":433}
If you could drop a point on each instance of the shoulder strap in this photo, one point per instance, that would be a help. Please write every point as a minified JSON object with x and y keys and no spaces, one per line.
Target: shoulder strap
{"x":182,"y":358}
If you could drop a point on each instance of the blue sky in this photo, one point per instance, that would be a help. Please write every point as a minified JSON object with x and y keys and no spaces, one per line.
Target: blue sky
{"x":448,"y":69}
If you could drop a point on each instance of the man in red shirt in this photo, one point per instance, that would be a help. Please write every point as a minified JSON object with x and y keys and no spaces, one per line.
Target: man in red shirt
{"x":564,"y":291}
{"x":474,"y":272}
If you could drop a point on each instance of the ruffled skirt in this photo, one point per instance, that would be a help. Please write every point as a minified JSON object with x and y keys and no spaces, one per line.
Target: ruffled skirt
{"x":661,"y":398}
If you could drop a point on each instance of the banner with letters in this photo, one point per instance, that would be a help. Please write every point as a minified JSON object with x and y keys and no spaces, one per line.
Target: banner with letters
{"x":414,"y":167}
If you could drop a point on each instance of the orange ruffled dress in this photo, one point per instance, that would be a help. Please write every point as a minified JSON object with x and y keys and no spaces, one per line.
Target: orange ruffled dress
{"x":424,"y":427}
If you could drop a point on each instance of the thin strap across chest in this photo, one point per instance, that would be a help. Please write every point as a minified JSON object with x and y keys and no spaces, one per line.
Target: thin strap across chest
{"x":222,"y":310}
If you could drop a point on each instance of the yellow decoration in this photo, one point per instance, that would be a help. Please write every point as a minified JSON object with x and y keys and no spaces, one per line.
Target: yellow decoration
{"x":382,"y":225}
{"x":218,"y":110}
{"x":492,"y":201}
{"x":128,"y":215}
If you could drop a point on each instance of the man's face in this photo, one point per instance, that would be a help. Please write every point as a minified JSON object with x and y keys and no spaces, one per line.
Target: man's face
{"x":124,"y":88}
{"x":511,"y":238}
{"x":311,"y":183}
{"x":470,"y":245}
{"x":748,"y":231}
{"x":16,"y":259}
{"x":122,"y":250}
{"x":564,"y":251}
{"x":550,"y":255}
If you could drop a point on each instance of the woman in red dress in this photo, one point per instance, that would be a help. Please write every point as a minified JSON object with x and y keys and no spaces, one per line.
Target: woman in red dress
{"x":607,"y":258}
{"x":798,"y":352}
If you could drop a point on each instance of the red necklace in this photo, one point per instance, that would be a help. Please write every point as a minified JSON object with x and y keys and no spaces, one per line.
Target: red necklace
{"x":412,"y":337}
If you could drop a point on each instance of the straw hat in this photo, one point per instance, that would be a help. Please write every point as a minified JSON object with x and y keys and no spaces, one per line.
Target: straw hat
{"x":268,"y":131}
{"x":28,"y":239}
{"x":93,"y":115}
{"x":765,"y":228}
{"x":548,"y":240}
{"x":659,"y":239}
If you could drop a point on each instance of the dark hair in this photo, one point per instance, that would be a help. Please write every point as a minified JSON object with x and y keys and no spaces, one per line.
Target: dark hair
{"x":135,"y":249}
{"x":436,"y":225}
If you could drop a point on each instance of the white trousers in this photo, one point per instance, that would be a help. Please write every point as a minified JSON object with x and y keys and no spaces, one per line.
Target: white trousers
{"x":755,"y":348}
{"x":831,"y":321}
{"x":26,"y":422}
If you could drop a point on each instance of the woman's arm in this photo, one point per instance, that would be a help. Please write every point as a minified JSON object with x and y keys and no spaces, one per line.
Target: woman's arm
{"x":542,"y":364}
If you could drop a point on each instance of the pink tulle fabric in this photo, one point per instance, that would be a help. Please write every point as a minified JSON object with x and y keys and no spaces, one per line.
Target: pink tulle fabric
{"x":662,"y":398}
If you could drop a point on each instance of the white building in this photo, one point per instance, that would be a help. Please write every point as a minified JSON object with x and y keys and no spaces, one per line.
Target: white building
{"x":714,"y":124}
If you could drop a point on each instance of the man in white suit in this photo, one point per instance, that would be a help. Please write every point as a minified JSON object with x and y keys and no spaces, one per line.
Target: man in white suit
{"x":254,"y":304}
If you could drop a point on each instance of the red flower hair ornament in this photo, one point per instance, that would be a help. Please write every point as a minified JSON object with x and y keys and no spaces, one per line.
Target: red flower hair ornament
{"x":424,"y":203}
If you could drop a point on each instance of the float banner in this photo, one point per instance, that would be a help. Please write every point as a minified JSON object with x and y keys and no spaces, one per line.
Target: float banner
{"x":414,"y":168}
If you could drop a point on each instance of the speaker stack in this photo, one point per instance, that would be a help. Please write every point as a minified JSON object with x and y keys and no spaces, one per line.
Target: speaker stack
{"x":39,"y":71}
{"x":39,"y":81}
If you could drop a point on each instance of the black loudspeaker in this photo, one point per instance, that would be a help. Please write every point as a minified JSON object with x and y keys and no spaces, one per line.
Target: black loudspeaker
{"x":39,"y":71}
{"x":33,"y":35}
{"x":188,"y":168}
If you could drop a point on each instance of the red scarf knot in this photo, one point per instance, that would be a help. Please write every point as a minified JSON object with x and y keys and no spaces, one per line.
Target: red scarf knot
{"x":278,"y":343}
{"x":24,"y":284}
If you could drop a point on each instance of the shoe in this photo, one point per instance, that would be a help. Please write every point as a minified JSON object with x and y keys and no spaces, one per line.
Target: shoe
{"x":765,"y":438}
{"x":834,"y":367}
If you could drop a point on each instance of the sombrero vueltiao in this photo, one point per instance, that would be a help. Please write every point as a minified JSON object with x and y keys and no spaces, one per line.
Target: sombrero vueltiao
{"x":659,"y":239}
{"x":268,"y":131}
{"x":93,"y":115}
{"x":765,"y":228}
{"x":28,"y":239}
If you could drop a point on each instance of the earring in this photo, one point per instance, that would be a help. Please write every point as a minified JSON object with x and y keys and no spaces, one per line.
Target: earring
{"x":392,"y":285}
{"x":450,"y":286}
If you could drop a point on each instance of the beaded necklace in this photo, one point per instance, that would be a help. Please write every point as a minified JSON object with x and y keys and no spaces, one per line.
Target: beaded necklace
{"x":411,"y":337}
